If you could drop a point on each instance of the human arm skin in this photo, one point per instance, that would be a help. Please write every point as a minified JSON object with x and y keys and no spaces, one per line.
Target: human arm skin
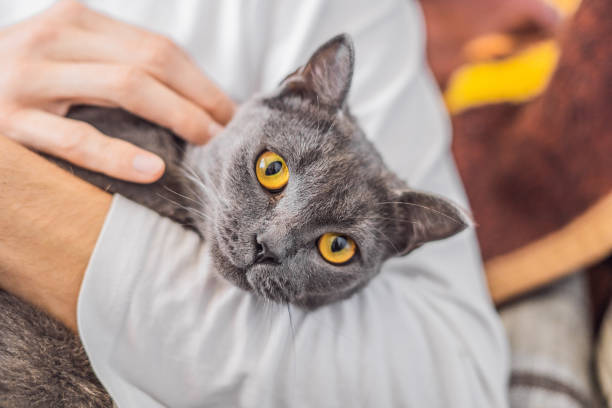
{"x":49,"y":224}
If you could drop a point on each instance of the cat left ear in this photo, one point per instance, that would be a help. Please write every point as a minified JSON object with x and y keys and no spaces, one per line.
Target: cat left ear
{"x":422,"y":217}
{"x":327,"y":74}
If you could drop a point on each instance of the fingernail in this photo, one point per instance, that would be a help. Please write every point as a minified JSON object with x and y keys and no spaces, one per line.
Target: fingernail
{"x":214,"y":129}
{"x":148,"y":163}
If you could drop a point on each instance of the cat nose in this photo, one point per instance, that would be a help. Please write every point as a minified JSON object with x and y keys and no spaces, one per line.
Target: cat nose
{"x":263,"y":253}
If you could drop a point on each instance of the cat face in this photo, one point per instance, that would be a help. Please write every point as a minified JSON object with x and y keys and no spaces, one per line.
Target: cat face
{"x":300,"y":206}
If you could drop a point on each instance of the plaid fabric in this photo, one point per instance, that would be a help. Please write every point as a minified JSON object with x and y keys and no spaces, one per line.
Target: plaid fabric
{"x":550,"y":337}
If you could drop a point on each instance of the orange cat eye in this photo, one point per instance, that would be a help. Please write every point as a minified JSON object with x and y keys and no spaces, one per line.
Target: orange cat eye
{"x":336,"y":248}
{"x":272,"y":172}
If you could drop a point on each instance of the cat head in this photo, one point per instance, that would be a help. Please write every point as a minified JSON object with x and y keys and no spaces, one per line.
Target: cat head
{"x":300,"y":206}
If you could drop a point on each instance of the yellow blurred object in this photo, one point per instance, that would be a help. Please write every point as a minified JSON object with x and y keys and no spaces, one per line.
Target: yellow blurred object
{"x":514,"y":79}
{"x":488,"y":47}
{"x":565,"y":7}
{"x":586,"y":240}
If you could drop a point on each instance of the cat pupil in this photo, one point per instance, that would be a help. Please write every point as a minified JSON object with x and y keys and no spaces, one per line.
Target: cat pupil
{"x":338,"y":244}
{"x":274,"y":168}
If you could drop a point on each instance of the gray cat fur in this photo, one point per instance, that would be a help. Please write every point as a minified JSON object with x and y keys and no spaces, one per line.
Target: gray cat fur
{"x":338,"y":183}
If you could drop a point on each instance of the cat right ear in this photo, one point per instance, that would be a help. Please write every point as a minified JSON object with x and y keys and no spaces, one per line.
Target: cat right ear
{"x":327,"y":75}
{"x":421,"y":218}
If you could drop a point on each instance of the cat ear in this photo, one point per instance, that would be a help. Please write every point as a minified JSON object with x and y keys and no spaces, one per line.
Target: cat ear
{"x":327,"y":74}
{"x":421,"y":218}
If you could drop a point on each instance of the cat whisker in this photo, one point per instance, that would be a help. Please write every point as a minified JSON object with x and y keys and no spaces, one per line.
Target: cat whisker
{"x":202,"y":179}
{"x":333,"y":124}
{"x":196,"y":179}
{"x":292,"y":328}
{"x":212,"y":185}
{"x":188,"y":209}
{"x":384,"y":236}
{"x":199,"y":194}
{"x":202,"y":189}
{"x":401,"y":220}
{"x":191,"y":174}
{"x":190,"y":170}
{"x":182,"y":195}
{"x":453,"y":219}
{"x":291,"y":322}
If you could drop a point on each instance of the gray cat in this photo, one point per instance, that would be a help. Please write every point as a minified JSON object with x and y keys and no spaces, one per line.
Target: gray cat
{"x":296,"y":203}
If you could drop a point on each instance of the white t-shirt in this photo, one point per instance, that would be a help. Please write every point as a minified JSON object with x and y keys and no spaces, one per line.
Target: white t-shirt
{"x":161,"y":328}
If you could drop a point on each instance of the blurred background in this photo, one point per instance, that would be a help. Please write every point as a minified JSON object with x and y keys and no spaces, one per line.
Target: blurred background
{"x":528,"y":84}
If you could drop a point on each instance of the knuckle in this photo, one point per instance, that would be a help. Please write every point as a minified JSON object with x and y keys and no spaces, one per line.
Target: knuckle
{"x":111,"y":156}
{"x":12,"y":75}
{"x":219,"y":105}
{"x":193,"y":126}
{"x":39,"y":33}
{"x":15,"y":77}
{"x":180,"y":121}
{"x":218,"y":102}
{"x":67,"y":10}
{"x":186,"y":123}
{"x":159,"y":52}
{"x":128,"y":79}
{"x":8,"y":120}
{"x":71,"y":143}
{"x":213,"y":100}
{"x":105,"y":156}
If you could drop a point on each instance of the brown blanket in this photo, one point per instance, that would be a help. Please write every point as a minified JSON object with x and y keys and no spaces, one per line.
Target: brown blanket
{"x":539,"y":175}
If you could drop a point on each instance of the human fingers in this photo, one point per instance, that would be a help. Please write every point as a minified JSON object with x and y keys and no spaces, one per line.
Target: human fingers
{"x":105,"y":39}
{"x":128,"y":87}
{"x":83,"y":145}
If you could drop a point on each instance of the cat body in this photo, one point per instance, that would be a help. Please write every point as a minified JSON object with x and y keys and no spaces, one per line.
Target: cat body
{"x":294,"y":201}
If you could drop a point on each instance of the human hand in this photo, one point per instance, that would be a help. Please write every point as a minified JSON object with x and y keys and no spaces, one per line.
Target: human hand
{"x":72,"y":55}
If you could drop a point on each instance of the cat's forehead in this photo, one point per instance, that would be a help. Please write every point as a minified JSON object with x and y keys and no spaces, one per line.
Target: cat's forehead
{"x":333,"y":167}
{"x":337,"y":171}
{"x":306,"y":133}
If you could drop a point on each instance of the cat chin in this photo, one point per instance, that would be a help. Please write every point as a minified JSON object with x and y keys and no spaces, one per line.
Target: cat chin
{"x":312,"y":301}
{"x":262,"y":280}
{"x":268,"y":284}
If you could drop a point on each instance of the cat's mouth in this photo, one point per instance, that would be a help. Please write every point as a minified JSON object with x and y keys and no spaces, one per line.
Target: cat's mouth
{"x":260,"y":278}
{"x":266,"y":282}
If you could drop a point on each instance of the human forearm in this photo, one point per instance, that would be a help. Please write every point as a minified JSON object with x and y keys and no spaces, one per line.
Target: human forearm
{"x":49,"y":223}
